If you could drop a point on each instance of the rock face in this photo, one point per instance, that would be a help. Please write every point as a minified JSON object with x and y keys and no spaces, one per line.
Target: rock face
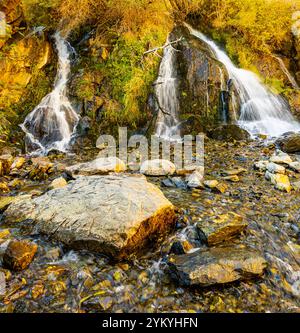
{"x":99,"y":166}
{"x":216,"y":266}
{"x":289,"y":143}
{"x":200,"y":78}
{"x":229,"y":132}
{"x":221,"y":228}
{"x":116,"y":214}
{"x":19,"y":254}
{"x":157,"y":168}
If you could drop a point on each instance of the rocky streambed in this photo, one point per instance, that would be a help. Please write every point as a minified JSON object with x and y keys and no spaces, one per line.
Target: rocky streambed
{"x":131,"y":243}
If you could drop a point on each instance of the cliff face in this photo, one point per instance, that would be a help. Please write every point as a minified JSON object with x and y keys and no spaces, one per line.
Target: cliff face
{"x":23,"y":60}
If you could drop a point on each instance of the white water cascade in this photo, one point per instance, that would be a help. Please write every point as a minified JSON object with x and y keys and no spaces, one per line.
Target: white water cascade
{"x":262,"y":112}
{"x":166,"y":94}
{"x":52,"y":123}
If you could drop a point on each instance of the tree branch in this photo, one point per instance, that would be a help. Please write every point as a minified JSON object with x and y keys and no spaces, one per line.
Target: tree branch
{"x":162,"y":47}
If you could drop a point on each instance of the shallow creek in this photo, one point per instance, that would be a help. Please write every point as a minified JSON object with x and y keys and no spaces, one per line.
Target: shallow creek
{"x":62,"y":280}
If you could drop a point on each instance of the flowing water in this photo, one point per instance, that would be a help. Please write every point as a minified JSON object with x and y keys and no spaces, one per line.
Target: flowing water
{"x":262,"y":112}
{"x":166,"y":93}
{"x":52,"y":123}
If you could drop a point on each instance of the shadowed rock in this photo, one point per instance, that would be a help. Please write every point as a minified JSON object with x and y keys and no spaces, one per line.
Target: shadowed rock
{"x":216,"y":266}
{"x":289,"y":142}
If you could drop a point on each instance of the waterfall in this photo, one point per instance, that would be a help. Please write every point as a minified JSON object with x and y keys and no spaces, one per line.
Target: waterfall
{"x":262,"y":112}
{"x":52,"y":123}
{"x":166,"y":95}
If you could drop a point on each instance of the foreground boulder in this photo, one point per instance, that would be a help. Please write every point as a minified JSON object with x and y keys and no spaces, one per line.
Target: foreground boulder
{"x":221,"y":228}
{"x":99,"y":166}
{"x":19,"y":254}
{"x":116,"y":214}
{"x":289,"y":142}
{"x":216,"y":266}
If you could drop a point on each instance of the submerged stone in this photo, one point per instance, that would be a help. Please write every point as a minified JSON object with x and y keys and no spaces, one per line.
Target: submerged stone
{"x":116,"y":214}
{"x":216,"y":266}
{"x":221,"y":228}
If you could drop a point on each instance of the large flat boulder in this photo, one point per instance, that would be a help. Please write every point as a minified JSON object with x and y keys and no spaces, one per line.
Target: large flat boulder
{"x":216,"y":266}
{"x":116,"y":215}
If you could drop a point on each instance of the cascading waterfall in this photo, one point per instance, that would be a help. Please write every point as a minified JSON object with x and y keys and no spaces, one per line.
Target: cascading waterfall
{"x":166,"y":94}
{"x":262,"y":112}
{"x":52,"y":123}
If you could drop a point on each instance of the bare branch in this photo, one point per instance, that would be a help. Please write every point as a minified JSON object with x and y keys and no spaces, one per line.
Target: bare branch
{"x":162,"y":47}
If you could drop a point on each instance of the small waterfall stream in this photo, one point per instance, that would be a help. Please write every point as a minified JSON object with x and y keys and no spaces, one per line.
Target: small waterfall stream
{"x":52,"y":123}
{"x":262,"y":112}
{"x":166,"y":93}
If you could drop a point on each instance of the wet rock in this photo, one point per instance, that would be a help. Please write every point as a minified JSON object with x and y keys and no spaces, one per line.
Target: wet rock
{"x":216,"y":186}
{"x":174,"y":182}
{"x":216,"y":266}
{"x":5,"y":164}
{"x":181,"y":247}
{"x":222,"y":228}
{"x":211,"y":183}
{"x":116,"y":214}
{"x":296,"y":186}
{"x":233,"y":178}
{"x":289,"y":142}
{"x":295,"y":166}
{"x":6,"y":201}
{"x":168,"y":182}
{"x":179,"y":183}
{"x":233,"y":172}
{"x":261,"y":165}
{"x":276,"y":168}
{"x":189,"y":169}
{"x":37,"y":290}
{"x":99,"y":166}
{"x":280,"y":181}
{"x":58,"y":183}
{"x":195,"y":180}
{"x":16,"y":183}
{"x":19,"y":254}
{"x":157,"y":167}
{"x":281,"y":158}
{"x":4,"y":188}
{"x":229,"y":132}
{"x":4,"y":233}
{"x":41,"y":168}
{"x":18,"y":162}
